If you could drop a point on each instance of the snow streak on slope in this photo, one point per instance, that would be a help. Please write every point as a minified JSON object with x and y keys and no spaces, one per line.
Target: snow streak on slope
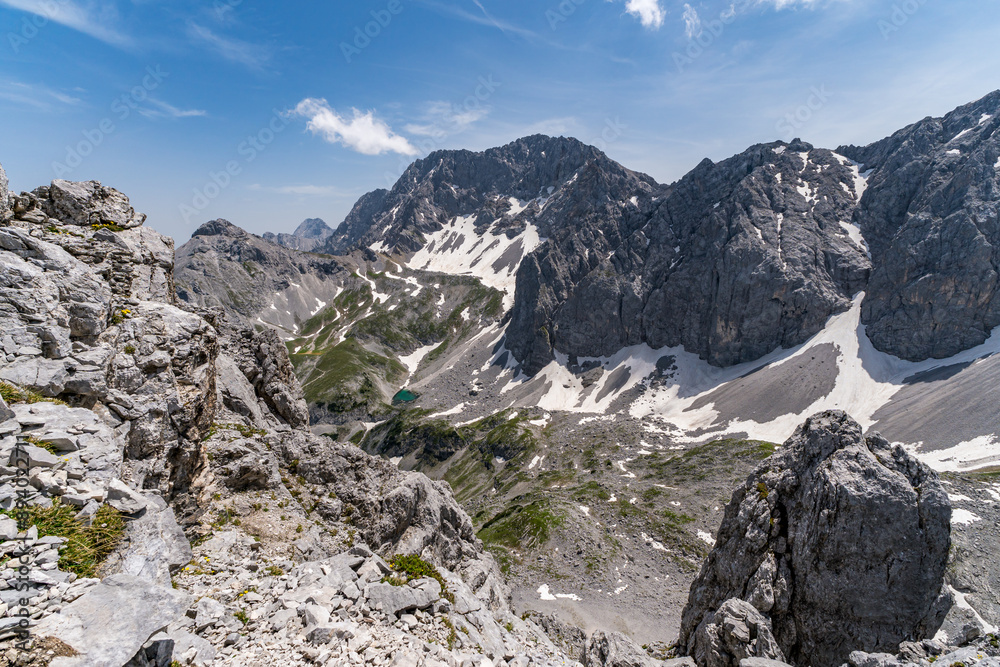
{"x":458,"y":248}
{"x":696,"y":401}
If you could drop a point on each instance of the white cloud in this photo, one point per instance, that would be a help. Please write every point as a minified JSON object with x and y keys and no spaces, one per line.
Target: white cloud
{"x":233,"y":50}
{"x":444,"y":118}
{"x":36,"y":96}
{"x":649,"y":12}
{"x":363,"y":132}
{"x":94,"y":20}
{"x":166,"y":110}
{"x":692,"y":22}
{"x":786,"y":4}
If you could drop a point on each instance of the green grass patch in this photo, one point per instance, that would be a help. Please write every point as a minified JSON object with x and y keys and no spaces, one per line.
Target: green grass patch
{"x":12,"y":395}
{"x":522,"y":526}
{"x":86,"y":547}
{"x":414,"y":567}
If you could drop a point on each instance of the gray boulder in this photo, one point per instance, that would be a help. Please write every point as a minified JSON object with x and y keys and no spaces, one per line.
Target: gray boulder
{"x":840,"y":541}
{"x":124,"y":499}
{"x":615,"y":650}
{"x":732,"y":634}
{"x":5,"y":412}
{"x":157,"y":545}
{"x":89,"y":203}
{"x":110,"y":623}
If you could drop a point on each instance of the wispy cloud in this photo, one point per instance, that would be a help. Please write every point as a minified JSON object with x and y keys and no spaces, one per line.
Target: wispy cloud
{"x":790,"y":4}
{"x":95,"y":20}
{"x":444,"y":117}
{"x":692,"y":22}
{"x":649,"y":12}
{"x":165,"y":110}
{"x":363,"y":132}
{"x":35,"y":96}
{"x":486,"y":19}
{"x":234,"y":50}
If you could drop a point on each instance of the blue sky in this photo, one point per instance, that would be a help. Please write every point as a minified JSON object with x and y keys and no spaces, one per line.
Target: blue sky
{"x":266,"y":113}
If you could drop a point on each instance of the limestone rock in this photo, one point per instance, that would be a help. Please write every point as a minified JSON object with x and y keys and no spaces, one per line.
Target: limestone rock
{"x":733,"y":633}
{"x":839,"y":540}
{"x":615,"y":650}
{"x":109,"y":624}
{"x":90,"y":203}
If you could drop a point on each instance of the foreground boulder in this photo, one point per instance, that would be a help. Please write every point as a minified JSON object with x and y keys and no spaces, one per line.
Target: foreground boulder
{"x":840,"y":542}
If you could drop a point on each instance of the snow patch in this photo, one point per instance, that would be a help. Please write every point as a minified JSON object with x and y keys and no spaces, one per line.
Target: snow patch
{"x":706,"y":538}
{"x":544,"y":594}
{"x":412,"y":361}
{"x":457,"y":248}
{"x":962,"y":517}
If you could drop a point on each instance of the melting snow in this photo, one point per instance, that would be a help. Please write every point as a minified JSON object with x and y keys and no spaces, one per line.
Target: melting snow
{"x":779,"y":150}
{"x":854,"y":232}
{"x":585,"y":510}
{"x":960,"y":601}
{"x":458,"y":249}
{"x":535,"y":461}
{"x":412,"y":361}
{"x":457,"y":410}
{"x":544,"y":594}
{"x":954,"y":151}
{"x":706,"y":538}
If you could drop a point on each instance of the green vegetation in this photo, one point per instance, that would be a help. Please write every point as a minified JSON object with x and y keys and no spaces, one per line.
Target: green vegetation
{"x":522,"y":526}
{"x":242,"y":429}
{"x":414,"y":567}
{"x":107,"y":225}
{"x":86,"y":547}
{"x":12,"y":395}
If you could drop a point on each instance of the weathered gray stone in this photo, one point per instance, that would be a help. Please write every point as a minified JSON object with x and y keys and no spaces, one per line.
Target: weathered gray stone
{"x":109,"y":624}
{"x":123,"y":498}
{"x":839,"y":540}
{"x":157,"y":545}
{"x":615,"y":650}
{"x":734,"y":632}
{"x":89,"y":203}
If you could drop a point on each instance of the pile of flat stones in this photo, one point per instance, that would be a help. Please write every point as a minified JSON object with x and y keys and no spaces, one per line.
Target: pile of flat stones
{"x":350,"y":609}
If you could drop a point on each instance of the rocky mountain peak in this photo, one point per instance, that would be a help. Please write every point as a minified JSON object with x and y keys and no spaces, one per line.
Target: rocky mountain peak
{"x":307,"y":237}
{"x":313,"y":228}
{"x":220,"y":227}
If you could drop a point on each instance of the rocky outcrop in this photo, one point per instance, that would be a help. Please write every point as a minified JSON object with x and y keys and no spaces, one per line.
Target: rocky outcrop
{"x":108,"y":625}
{"x":223,"y":266}
{"x":88,"y":203}
{"x":617,"y":650}
{"x":4,"y":196}
{"x":307,"y":237}
{"x":838,"y":541}
{"x":736,"y":259}
{"x":349,"y":233}
{"x":930,"y":215}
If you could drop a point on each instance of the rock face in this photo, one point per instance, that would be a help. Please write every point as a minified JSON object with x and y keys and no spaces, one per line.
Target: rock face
{"x":89,"y":203}
{"x":307,"y":237}
{"x":225,"y":266}
{"x":733,"y":261}
{"x":930,"y":215}
{"x":4,"y":197}
{"x":110,"y":623}
{"x":839,"y":541}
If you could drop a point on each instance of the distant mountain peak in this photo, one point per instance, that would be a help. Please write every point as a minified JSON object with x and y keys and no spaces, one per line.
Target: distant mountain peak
{"x":219,"y":227}
{"x":313,"y":228}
